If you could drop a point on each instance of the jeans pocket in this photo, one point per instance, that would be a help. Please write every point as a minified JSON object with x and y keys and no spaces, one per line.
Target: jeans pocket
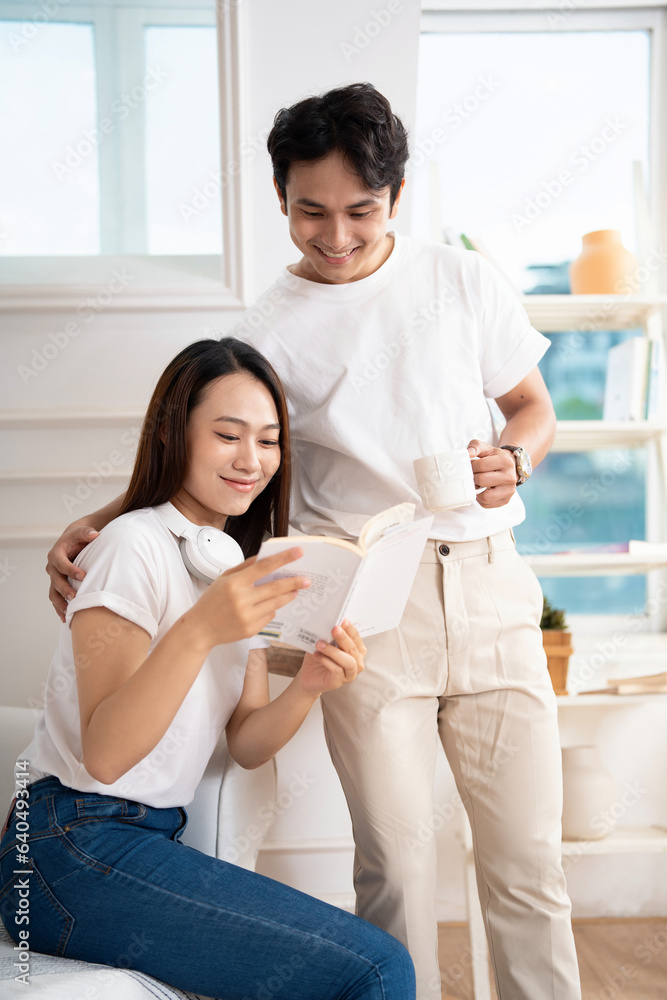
{"x":31,"y":912}
{"x":107,"y":807}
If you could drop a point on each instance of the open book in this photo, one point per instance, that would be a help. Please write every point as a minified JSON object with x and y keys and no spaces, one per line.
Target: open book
{"x":368,"y":582}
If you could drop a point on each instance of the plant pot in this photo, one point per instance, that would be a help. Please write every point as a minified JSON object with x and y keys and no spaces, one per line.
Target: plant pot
{"x":558,"y":647}
{"x":603,"y":266}
{"x":589,"y":793}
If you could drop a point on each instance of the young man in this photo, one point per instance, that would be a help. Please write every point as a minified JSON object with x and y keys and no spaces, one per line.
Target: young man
{"x":390,"y":350}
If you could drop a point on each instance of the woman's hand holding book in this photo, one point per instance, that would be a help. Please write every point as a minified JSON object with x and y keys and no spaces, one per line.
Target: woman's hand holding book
{"x":236,"y":606}
{"x":329,"y":667}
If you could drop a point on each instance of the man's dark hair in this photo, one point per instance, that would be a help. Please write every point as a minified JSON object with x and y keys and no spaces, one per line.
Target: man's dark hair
{"x":357,"y":121}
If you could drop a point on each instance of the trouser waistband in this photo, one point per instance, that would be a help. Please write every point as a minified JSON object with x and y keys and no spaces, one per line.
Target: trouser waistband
{"x":438,"y":549}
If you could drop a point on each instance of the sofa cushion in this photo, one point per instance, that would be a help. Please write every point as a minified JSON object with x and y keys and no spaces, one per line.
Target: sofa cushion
{"x":53,"y":978}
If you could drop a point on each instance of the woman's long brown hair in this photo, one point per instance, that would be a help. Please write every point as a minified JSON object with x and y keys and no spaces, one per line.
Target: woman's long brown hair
{"x":160,"y":465}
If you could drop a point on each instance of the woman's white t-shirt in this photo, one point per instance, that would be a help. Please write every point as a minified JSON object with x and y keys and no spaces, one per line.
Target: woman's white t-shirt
{"x":135,"y":569}
{"x":381,"y":371}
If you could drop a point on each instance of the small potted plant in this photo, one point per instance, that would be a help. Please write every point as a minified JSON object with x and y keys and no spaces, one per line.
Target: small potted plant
{"x":557,"y":645}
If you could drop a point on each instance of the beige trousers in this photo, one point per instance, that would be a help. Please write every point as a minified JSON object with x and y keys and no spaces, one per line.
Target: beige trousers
{"x":466,"y":666}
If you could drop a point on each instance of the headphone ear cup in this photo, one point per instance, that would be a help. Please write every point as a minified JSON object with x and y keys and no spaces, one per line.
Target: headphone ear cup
{"x":209,"y":553}
{"x":188,"y":550}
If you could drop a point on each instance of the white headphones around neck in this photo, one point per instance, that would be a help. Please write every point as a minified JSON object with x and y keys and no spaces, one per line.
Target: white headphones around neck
{"x":207,"y":552}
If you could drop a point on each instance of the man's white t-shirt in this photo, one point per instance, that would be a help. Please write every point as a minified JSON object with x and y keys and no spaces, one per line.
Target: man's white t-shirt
{"x":135,"y":569}
{"x":381,"y":371}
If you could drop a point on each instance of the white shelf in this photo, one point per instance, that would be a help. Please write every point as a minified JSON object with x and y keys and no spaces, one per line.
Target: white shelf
{"x":41,"y":477}
{"x":52,"y":417}
{"x":591,"y":435}
{"x":319,"y":845}
{"x":631,"y":840}
{"x":582,"y":700}
{"x":594,"y":563}
{"x":585,"y":313}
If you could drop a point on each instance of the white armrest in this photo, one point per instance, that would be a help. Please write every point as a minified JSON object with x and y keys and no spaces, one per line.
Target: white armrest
{"x":232,"y":810}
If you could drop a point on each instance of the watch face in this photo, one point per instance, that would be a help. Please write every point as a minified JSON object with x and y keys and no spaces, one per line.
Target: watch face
{"x":523,"y":464}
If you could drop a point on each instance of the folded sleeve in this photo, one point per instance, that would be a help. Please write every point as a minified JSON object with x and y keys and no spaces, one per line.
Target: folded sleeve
{"x":259,"y":642}
{"x":509,"y":346}
{"x":124,"y":573}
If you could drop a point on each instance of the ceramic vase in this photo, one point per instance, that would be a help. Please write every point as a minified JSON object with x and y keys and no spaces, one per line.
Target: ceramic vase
{"x":589,"y":792}
{"x":603,"y":266}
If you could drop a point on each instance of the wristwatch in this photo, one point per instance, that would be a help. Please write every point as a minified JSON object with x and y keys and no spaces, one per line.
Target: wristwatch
{"x":521,"y":460}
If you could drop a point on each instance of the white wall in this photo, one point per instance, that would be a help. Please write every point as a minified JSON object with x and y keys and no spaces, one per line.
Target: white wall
{"x":298,"y":48}
{"x":293,"y":48}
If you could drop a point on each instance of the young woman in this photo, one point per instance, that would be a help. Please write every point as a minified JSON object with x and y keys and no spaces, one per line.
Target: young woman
{"x":154,"y":662}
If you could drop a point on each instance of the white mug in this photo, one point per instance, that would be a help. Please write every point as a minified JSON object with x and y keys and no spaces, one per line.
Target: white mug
{"x":445,"y":480}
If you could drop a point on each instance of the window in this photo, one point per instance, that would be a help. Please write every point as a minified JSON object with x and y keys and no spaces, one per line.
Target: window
{"x":533,"y":134}
{"x":112,"y":117}
{"x":182,"y":142}
{"x":49,"y":99}
{"x":527,"y":129}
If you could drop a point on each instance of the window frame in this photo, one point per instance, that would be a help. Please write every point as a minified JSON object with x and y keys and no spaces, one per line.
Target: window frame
{"x":535,"y":15}
{"x":599,"y":15}
{"x":158,"y":281}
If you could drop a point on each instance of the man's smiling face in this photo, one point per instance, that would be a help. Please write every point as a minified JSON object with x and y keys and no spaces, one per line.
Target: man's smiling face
{"x":339,"y":226}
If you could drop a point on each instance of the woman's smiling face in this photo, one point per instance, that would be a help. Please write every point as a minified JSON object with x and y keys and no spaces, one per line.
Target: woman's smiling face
{"x":233,"y":450}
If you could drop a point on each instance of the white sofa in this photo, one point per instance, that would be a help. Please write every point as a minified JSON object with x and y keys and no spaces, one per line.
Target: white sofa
{"x":229,"y":802}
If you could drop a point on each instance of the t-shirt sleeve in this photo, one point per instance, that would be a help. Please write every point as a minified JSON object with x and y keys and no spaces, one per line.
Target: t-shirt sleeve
{"x":123,"y":574}
{"x":259,"y":642}
{"x":509,"y":346}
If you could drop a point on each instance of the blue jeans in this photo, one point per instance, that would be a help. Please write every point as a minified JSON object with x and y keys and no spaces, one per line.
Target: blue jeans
{"x":110,"y":882}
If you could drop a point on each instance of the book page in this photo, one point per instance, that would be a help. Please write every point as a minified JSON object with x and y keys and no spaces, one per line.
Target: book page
{"x":385,"y":578}
{"x":389,"y":519}
{"x":315,"y":611}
